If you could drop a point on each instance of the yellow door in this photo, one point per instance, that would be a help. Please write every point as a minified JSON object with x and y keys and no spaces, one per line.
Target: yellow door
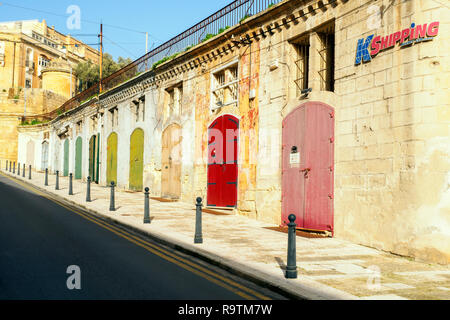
{"x":136,"y":160}
{"x":111,"y":162}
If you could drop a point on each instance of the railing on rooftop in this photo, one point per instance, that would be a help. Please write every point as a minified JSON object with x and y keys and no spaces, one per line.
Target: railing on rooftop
{"x":216,"y":23}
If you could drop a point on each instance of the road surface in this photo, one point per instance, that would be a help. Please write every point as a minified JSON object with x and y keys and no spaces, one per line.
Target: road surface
{"x":47,"y":247}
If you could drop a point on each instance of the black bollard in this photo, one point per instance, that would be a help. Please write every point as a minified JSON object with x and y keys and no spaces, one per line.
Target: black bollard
{"x":57,"y":180}
{"x":146,"y":207}
{"x":88,"y":193}
{"x":291,"y":267}
{"x":46,"y":177}
{"x":70,"y":185}
{"x":18,"y":168}
{"x":198,"y":221}
{"x":111,"y":199}
{"x":23,"y":171}
{"x":14,"y":167}
{"x":10,"y":166}
{"x":29,"y":172}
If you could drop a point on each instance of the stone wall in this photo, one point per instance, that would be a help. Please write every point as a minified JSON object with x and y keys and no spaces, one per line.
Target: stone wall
{"x":38,"y":101}
{"x":392,"y":136}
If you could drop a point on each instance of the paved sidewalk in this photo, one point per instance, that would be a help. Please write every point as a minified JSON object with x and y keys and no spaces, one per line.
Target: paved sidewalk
{"x":328,"y":268}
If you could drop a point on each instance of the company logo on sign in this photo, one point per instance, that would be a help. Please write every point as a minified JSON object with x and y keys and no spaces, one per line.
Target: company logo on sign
{"x":372,"y":45}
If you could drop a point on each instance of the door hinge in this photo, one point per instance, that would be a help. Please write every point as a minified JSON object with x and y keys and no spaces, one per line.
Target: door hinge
{"x":330,"y":196}
{"x":331,"y":139}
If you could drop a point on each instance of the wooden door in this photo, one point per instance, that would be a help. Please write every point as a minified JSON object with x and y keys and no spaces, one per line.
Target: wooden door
{"x":44,"y":155}
{"x":66,"y":158}
{"x":222,"y":162}
{"x":111,"y":158}
{"x":92,"y":157}
{"x":308,"y":165}
{"x":57,"y":155}
{"x":30,"y":153}
{"x":171,"y":162}
{"x":136,"y":160}
{"x":78,"y":158}
{"x":97,"y":159}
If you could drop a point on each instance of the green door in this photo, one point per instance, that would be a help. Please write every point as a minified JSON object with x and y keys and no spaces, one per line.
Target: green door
{"x":137,"y":160}
{"x":78,"y":153}
{"x":66,"y":158}
{"x":92,"y":157}
{"x":111,"y":162}
{"x":97,"y":159}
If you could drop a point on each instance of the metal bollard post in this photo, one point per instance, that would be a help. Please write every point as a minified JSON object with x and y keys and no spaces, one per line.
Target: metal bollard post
{"x":88,"y":193}
{"x":70,"y":185}
{"x":111,"y":199}
{"x":10,"y":166}
{"x":29,"y":172}
{"x":146,"y":207}
{"x":23,"y":171}
{"x":291,"y":267}
{"x":57,"y":180}
{"x":18,"y":168}
{"x":14,"y":167}
{"x":46,"y":177}
{"x":198,"y":221}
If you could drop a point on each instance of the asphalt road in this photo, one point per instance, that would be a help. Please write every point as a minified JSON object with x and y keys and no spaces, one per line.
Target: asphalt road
{"x":40,"y":239}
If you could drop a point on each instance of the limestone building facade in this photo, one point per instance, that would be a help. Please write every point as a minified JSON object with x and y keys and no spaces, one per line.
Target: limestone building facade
{"x":36,"y":74}
{"x":336,"y":111}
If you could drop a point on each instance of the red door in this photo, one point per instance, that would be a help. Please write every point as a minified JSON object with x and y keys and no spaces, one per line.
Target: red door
{"x":222,"y":162}
{"x":308,"y":165}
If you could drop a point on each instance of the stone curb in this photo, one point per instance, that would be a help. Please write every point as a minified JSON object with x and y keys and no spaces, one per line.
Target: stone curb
{"x":309,"y":290}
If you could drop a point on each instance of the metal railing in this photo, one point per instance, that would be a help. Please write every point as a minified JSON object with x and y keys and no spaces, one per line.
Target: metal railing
{"x":230,"y":15}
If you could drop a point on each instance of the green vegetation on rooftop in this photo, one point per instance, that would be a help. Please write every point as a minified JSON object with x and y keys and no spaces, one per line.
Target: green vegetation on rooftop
{"x":33,"y":122}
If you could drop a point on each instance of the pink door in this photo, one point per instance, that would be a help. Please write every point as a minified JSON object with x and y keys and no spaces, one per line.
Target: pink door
{"x":308,"y":165}
{"x":222,"y":162}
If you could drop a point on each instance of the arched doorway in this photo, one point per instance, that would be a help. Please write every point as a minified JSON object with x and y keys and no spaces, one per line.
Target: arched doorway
{"x":308,"y":165}
{"x":30,"y":153}
{"x":78,"y":157}
{"x":44,"y":155}
{"x":66,"y":158}
{"x":223,"y":136}
{"x":171,"y":162}
{"x":94,"y":157}
{"x":136,"y":160}
{"x":111,"y":158}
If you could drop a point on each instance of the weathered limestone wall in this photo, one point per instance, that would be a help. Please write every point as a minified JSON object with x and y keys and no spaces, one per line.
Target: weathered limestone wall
{"x":8,"y":137}
{"x":27,"y":143}
{"x":7,"y":68}
{"x":392,"y":135}
{"x":61,"y":82}
{"x":38,"y":101}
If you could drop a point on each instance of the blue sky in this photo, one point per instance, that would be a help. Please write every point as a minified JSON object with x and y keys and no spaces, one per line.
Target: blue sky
{"x":161,"y":19}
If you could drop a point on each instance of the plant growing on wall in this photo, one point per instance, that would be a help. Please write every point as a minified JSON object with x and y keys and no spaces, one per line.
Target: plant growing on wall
{"x":244,"y":18}
{"x":164,"y":60}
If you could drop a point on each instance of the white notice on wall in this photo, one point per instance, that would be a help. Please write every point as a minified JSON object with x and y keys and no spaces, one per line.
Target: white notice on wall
{"x":294,"y":158}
